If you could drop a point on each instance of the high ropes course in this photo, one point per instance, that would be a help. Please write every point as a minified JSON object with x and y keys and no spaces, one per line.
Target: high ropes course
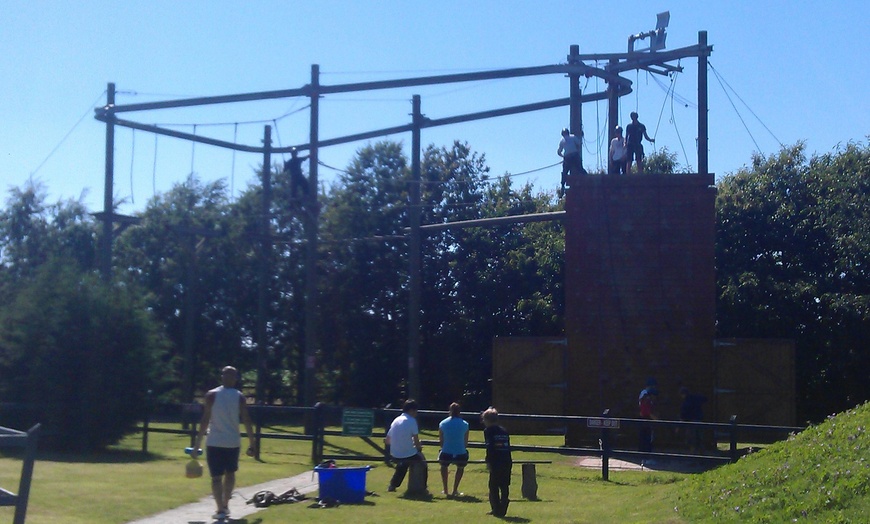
{"x":653,"y":59}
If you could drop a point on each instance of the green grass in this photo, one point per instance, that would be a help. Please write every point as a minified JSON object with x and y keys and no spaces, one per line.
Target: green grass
{"x":820,"y":475}
{"x":121,"y":485}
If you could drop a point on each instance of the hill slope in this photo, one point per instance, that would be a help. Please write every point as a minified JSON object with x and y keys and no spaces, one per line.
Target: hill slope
{"x":819,"y":475}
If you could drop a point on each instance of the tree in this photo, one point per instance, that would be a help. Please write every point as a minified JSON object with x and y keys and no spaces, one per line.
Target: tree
{"x":32,"y":232}
{"x":81,"y":353}
{"x":194,"y":254}
{"x":793,"y":238}
{"x":364,"y":262}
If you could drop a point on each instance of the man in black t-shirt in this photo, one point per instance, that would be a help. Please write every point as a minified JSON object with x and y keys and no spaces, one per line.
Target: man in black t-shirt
{"x":499,"y":462}
{"x":635,"y":132}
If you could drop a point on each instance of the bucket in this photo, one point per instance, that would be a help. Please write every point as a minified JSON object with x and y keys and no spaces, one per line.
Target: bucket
{"x":347,"y":485}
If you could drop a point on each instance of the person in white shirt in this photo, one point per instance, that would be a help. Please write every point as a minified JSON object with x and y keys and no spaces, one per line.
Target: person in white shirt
{"x":618,"y":152}
{"x":569,"y":150}
{"x":224,"y":407}
{"x":403,"y":442}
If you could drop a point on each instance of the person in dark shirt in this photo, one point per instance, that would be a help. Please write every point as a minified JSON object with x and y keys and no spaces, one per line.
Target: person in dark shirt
{"x":498,"y":461}
{"x":692,"y":410}
{"x":297,"y":179}
{"x":635,"y":132}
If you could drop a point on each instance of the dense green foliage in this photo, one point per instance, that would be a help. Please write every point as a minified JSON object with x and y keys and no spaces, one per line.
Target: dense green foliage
{"x":82,"y":353}
{"x":792,"y":244}
{"x":819,"y":475}
{"x":793,"y":261}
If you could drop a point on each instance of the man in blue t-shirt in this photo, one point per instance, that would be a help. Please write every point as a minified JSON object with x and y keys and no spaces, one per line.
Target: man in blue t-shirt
{"x":453,"y":436}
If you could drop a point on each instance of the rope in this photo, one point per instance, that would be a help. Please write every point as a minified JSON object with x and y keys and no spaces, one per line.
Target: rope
{"x":677,"y":129}
{"x":265,"y":498}
{"x":721,"y":80}
{"x":68,"y":133}
{"x":154,"y":168}
{"x":132,"y":160}
{"x":244,"y":122}
{"x":192,"y":150}
{"x":233,"y":170}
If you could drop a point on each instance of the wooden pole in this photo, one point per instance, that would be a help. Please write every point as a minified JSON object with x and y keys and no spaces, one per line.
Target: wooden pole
{"x":612,"y":116}
{"x":311,"y":225}
{"x":108,"y":189}
{"x":576,"y":103}
{"x":264,"y":266}
{"x":703,"y":166}
{"x":414,"y":256}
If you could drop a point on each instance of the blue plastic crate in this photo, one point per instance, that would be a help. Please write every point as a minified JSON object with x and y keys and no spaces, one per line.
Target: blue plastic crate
{"x":347,"y":485}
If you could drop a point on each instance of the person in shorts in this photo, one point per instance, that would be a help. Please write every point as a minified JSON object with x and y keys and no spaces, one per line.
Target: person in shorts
{"x":453,"y":437}
{"x":224,"y":407}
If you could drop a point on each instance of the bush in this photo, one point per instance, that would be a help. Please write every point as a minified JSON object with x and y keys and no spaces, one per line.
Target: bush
{"x":81,"y":353}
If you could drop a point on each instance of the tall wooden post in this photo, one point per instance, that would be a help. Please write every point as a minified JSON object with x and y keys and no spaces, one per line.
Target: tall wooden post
{"x":311,"y":233}
{"x":264,"y":265}
{"x":108,"y":190}
{"x":703,"y":166}
{"x":612,"y":116}
{"x":576,"y":116}
{"x":414,"y":256}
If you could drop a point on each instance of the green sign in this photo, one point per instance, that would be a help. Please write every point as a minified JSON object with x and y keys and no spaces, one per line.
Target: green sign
{"x":357,"y":422}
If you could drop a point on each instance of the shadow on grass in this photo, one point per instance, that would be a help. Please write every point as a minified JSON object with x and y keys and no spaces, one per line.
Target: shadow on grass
{"x":514,"y":519}
{"x":418,"y":497}
{"x":110,"y":456}
{"x":227,"y":521}
{"x":470,"y":499}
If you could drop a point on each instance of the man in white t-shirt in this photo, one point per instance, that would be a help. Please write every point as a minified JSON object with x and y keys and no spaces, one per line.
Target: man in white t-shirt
{"x":618,"y":150}
{"x":569,"y":150}
{"x":403,"y":442}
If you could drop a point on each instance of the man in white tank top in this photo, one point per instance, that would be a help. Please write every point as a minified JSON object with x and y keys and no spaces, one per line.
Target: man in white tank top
{"x":224,"y":407}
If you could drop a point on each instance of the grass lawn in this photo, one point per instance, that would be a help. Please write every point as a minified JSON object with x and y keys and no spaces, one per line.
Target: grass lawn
{"x":122,"y":484}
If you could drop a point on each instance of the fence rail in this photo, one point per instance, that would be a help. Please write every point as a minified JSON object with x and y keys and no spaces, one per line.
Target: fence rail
{"x":316,"y":420}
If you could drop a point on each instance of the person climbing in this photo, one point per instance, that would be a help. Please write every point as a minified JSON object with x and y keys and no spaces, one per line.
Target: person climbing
{"x":569,"y":150}
{"x":635,"y":132}
{"x":297,"y":179}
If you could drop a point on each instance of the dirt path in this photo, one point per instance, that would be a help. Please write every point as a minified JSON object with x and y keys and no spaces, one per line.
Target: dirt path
{"x":200,"y":512}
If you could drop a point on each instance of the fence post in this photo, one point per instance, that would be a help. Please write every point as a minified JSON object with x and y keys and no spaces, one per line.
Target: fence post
{"x":317,"y":434}
{"x":733,"y":439}
{"x":605,"y":448}
{"x":145,"y":434}
{"x":148,"y":396}
{"x":258,"y":424}
{"x":26,"y":475}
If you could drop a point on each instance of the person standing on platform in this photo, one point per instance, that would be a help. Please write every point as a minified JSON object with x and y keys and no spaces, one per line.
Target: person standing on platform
{"x":635,"y":132}
{"x":453,"y":437}
{"x":618,"y":152}
{"x":403,"y":442}
{"x":224,"y":407}
{"x":498,"y":461}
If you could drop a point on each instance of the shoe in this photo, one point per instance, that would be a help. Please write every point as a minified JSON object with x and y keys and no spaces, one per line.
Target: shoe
{"x":457,"y":494}
{"x":391,"y":488}
{"x":219,"y":515}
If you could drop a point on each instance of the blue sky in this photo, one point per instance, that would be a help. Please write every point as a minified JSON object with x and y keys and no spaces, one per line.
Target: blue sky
{"x":801,"y":67}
